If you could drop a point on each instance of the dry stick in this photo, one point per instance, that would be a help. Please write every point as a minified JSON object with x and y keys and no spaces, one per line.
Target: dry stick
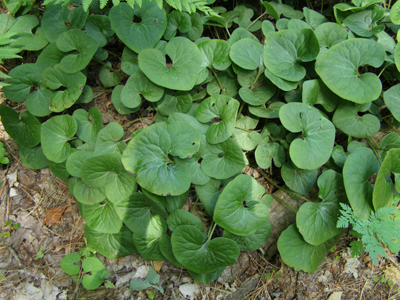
{"x":362,"y":291}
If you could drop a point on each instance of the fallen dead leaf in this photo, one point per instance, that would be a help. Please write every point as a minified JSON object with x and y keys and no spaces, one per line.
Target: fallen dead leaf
{"x":157,"y":265}
{"x":54,"y":215}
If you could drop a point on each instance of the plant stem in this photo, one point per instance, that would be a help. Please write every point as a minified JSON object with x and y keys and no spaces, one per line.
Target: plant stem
{"x":210,"y":233}
{"x":240,"y":110}
{"x":251,"y":24}
{"x":284,"y":203}
{"x":134,"y":121}
{"x":104,"y":64}
{"x":373,"y":149}
{"x":194,"y":205}
{"x":322,"y":6}
{"x":383,"y":69}
{"x":390,"y":125}
{"x":281,"y":188}
{"x":216,"y":77}
{"x":8,"y":19}
{"x":109,"y":111}
{"x":255,"y":80}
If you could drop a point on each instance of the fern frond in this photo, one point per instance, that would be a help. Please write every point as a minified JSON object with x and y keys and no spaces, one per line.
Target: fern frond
{"x":8,"y":52}
{"x":131,"y":3}
{"x":86,"y":4}
{"x":177,"y":4}
{"x":115,"y":2}
{"x":7,"y":38}
{"x":160,"y":3}
{"x":103,"y":3}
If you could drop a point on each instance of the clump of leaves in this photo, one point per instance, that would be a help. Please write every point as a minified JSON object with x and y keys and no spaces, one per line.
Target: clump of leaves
{"x":3,"y":160}
{"x":151,"y":280}
{"x":380,"y":231}
{"x":12,"y":225}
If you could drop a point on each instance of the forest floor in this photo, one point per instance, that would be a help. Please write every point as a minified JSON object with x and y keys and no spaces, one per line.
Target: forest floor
{"x":51,"y":227}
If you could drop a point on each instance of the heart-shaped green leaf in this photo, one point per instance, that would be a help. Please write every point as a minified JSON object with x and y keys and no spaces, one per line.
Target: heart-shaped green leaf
{"x":363,"y":23}
{"x":314,"y":147}
{"x":101,"y":217}
{"x":88,"y":195}
{"x":209,"y":194}
{"x":346,"y":119}
{"x":224,"y":108}
{"x":136,"y":211}
{"x":139,"y":85}
{"x":108,"y":77}
{"x":68,"y":264}
{"x":358,"y":169}
{"x":75,"y":161}
{"x":259,"y":92}
{"x":98,"y":27}
{"x":197,"y":28}
{"x":83,"y":47}
{"x":224,"y":160}
{"x":239,"y":208}
{"x":316,"y":221}
{"x":147,"y":242}
{"x":297,"y":253}
{"x":181,"y":72}
{"x":329,"y":34}
{"x":107,"y":140}
{"x":316,"y":92}
{"x":107,"y":171}
{"x":201,"y":256}
{"x":382,"y":195}
{"x":206,"y":278}
{"x":392,"y":100}
{"x":177,"y":20}
{"x":300,"y":181}
{"x":33,"y":158}
{"x":129,"y":62}
{"x":266,"y":152}
{"x":149,"y":155}
{"x":174,"y":102}
{"x":215,"y":54}
{"x":58,"y":18}
{"x":89,"y":124}
{"x":284,"y":50}
{"x":338,"y":69}
{"x":313,"y":18}
{"x":395,"y":13}
{"x":284,"y":85}
{"x":55,"y":136}
{"x":111,"y":245}
{"x":68,"y":87}
{"x":99,"y":273}
{"x":138,"y":28}
{"x":24,"y":129}
{"x":117,"y":101}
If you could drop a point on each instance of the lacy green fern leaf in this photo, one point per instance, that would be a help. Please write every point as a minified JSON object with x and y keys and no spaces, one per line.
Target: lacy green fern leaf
{"x":8,"y":52}
{"x":86,"y":4}
{"x":7,"y":38}
{"x":177,"y":4}
{"x":380,"y":231}
{"x":131,"y":3}
{"x":103,"y":3}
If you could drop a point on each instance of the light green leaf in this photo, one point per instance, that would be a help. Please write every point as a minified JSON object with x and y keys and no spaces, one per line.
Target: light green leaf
{"x":346,"y":119}
{"x":358,"y":168}
{"x":88,"y":195}
{"x":316,"y":221}
{"x":129,"y":62}
{"x":24,"y":129}
{"x":224,"y":160}
{"x":284,"y":50}
{"x":55,"y":136}
{"x":101,"y":217}
{"x":382,"y":195}
{"x":330,"y":34}
{"x":225,"y":109}
{"x":251,"y":242}
{"x":117,"y":101}
{"x":338,"y":69}
{"x":140,"y":28}
{"x":313,"y":18}
{"x":33,"y":158}
{"x":83,"y":47}
{"x":314,"y":147}
{"x":89,"y":124}
{"x":316,"y":92}
{"x":68,"y":263}
{"x":395,"y":13}
{"x":177,"y":20}
{"x":248,"y":54}
{"x":108,"y":77}
{"x":99,"y":273}
{"x":392,"y":100}
{"x":174,"y":102}
{"x":181,"y":72}
{"x":98,"y":27}
{"x":149,"y":155}
{"x":110,"y":245}
{"x":194,"y":253}
{"x":300,"y":181}
{"x":297,"y":253}
{"x":266,"y":152}
{"x":239,"y":208}
{"x":363,"y":23}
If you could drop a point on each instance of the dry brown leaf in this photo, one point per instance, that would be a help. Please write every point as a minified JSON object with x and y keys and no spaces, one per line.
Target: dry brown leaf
{"x":157,"y":265}
{"x":54,"y":215}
